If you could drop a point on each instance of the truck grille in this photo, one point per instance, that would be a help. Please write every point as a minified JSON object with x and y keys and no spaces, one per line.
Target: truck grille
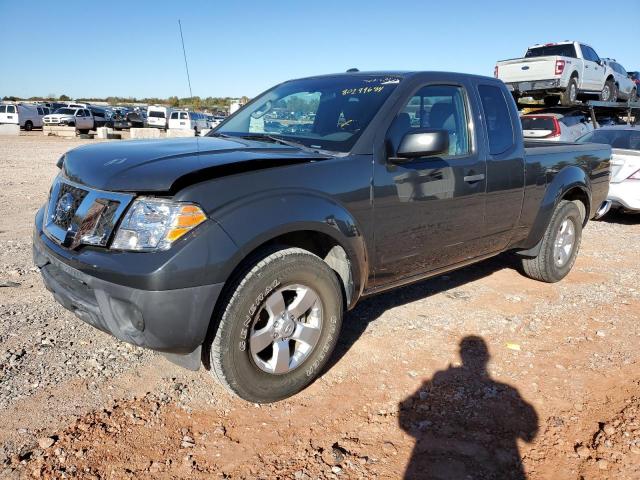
{"x":64,"y":218}
{"x":76,"y":214}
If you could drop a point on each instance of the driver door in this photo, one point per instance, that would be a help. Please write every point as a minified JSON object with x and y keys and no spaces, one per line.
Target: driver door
{"x":429,"y":211}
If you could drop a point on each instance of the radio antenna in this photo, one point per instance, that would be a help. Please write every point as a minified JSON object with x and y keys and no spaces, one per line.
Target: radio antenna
{"x":186,"y":65}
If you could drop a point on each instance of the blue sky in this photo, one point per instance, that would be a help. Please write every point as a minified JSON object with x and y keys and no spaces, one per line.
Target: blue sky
{"x":132,"y":48}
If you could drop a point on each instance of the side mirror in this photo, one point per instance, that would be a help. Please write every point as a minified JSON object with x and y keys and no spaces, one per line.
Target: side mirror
{"x":422,"y":143}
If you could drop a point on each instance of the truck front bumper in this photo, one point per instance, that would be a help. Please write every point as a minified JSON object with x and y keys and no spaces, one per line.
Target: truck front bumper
{"x":174,"y":321}
{"x":540,"y":86}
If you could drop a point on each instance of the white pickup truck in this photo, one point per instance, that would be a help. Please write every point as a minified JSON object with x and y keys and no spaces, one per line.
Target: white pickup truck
{"x":81,"y":118}
{"x":558,"y":72}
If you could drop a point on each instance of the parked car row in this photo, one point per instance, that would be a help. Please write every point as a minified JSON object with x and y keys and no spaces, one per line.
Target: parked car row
{"x":566,"y":72}
{"x":160,"y":116}
{"x":87,"y":117}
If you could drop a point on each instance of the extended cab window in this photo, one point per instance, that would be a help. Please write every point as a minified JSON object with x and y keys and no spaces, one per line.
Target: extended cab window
{"x":439,"y":107}
{"x":497,"y":119}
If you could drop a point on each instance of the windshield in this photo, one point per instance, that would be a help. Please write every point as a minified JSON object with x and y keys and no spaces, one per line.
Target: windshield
{"x":66,"y":111}
{"x":322,"y":113}
{"x":624,"y":139}
{"x":566,"y":50}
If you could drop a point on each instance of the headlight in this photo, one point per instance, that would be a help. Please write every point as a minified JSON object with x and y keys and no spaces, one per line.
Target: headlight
{"x":154,"y":224}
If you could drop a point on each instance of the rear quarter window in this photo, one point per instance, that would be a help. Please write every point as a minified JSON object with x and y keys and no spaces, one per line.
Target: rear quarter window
{"x":498,"y":123}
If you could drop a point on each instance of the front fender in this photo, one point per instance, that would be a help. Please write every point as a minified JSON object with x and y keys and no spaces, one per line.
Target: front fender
{"x":258,"y":219}
{"x":565,"y":180}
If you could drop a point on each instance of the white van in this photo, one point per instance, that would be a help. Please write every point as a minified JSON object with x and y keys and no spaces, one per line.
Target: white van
{"x":181,"y":119}
{"x":157,"y":116}
{"x":25,"y":115}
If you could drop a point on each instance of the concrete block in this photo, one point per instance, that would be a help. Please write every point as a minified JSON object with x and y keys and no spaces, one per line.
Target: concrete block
{"x":178,"y":132}
{"x":103,"y":132}
{"x":144,"y":133}
{"x":58,"y":131}
{"x":9,"y":129}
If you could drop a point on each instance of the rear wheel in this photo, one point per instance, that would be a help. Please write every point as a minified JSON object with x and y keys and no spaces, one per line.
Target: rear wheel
{"x":278,"y":326}
{"x":560,"y":245}
{"x":28,"y":125}
{"x":570,"y":95}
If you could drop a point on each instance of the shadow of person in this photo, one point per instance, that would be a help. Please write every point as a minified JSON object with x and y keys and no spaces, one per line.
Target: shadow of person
{"x":466,"y":425}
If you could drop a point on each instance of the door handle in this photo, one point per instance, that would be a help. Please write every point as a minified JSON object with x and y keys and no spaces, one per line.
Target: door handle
{"x":474,"y":178}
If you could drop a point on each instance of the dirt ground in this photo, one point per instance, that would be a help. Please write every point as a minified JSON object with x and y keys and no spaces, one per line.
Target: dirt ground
{"x":478,"y":374}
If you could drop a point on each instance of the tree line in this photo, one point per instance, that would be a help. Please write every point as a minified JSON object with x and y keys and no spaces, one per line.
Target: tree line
{"x":193,"y":103}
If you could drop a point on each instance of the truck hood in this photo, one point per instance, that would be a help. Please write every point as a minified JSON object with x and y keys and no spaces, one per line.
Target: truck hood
{"x":168,"y":165}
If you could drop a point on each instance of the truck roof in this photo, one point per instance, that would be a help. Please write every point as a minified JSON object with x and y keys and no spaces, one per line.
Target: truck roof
{"x":397,"y":73}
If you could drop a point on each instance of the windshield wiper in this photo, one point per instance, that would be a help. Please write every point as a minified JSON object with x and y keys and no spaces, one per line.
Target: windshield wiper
{"x":275,"y":139}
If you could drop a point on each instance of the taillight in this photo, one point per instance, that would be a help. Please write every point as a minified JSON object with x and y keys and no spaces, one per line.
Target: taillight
{"x":556,"y":129}
{"x":495,"y":71}
{"x":634,"y":176}
{"x":559,"y":67}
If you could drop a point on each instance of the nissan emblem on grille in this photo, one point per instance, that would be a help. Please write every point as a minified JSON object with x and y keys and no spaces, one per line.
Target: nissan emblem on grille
{"x":63,"y":211}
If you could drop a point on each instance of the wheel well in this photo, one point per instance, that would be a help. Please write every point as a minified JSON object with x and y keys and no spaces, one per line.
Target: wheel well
{"x":574,"y":74}
{"x":318,"y":243}
{"x":580,"y":198}
{"x":610,"y":77}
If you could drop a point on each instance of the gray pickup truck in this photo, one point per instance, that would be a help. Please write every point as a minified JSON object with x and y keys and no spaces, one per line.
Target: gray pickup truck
{"x":243,"y":249}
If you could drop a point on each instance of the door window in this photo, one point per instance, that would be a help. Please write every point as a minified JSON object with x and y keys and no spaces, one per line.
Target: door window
{"x":11,"y":109}
{"x":3,"y":108}
{"x":438,"y":107}
{"x":497,"y":119}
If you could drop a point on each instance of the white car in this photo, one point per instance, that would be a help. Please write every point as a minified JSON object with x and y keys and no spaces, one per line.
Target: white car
{"x":624,"y":189}
{"x":81,"y":118}
{"x":558,"y":72}
{"x":626,"y":88}
{"x":157,"y":116}
{"x":554,"y":126}
{"x":25,"y":115}
{"x":184,"y":120}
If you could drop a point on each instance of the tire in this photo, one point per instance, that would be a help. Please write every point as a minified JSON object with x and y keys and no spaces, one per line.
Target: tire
{"x":243,"y":360}
{"x":547,"y":266}
{"x":570,"y":95}
{"x":83,"y":131}
{"x":634,"y":95}
{"x":28,"y":125}
{"x":608,"y":93}
{"x":551,"y":101}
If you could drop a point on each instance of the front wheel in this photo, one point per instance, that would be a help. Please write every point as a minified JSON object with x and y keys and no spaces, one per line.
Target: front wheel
{"x":278,"y":326}
{"x":28,"y":125}
{"x":560,"y":245}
